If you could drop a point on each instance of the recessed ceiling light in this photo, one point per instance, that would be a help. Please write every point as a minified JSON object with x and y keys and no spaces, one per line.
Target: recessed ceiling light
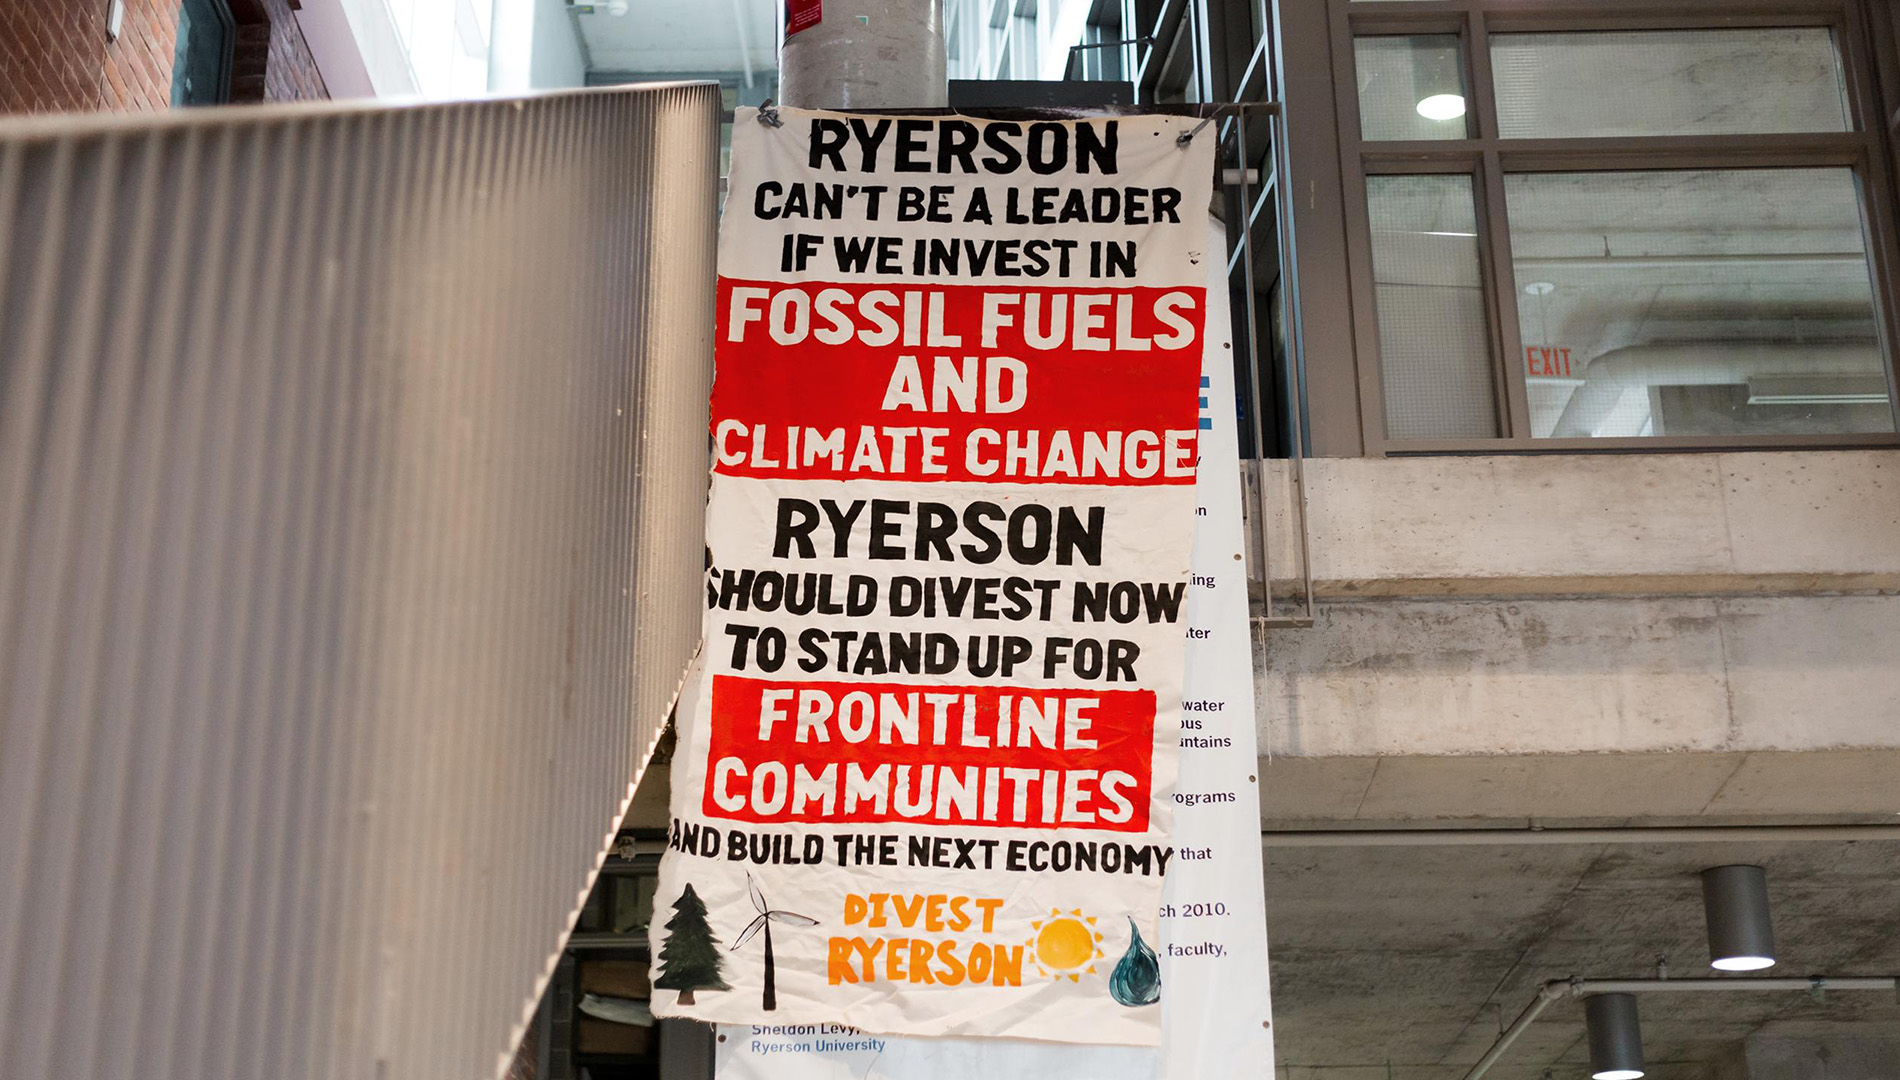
{"x":1540,"y":288}
{"x":1442,"y":107}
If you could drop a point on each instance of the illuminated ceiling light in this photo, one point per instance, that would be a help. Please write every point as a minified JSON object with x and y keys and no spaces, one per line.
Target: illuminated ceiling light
{"x":1540,"y":288}
{"x":1616,"y":1039}
{"x":1735,"y":901}
{"x":1442,"y":107}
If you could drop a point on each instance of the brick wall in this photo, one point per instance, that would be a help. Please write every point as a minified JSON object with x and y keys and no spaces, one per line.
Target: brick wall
{"x":292,"y":74}
{"x":54,"y":56}
{"x":272,"y":63}
{"x":138,"y":66}
{"x":51,"y":53}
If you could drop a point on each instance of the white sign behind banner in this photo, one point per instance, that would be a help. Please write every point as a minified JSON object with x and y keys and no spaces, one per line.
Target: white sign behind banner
{"x":1215,"y":992}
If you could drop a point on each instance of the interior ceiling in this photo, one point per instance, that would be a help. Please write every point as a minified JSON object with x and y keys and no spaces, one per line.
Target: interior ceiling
{"x":684,"y":37}
{"x":1412,"y":957}
{"x":1716,"y":81}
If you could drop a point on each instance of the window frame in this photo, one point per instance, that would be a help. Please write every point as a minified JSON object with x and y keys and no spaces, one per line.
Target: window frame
{"x":1487,"y":158}
{"x":220,"y":92}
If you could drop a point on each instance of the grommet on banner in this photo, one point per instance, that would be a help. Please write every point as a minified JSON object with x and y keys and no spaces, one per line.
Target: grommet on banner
{"x":768,"y":114}
{"x":1187,"y":137}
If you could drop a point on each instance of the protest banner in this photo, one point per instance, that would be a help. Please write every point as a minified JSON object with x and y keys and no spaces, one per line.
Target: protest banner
{"x":1212,"y":945}
{"x":926,"y":766}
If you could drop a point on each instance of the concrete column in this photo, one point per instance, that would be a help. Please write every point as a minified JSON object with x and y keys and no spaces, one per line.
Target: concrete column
{"x":1813,"y":1057}
{"x":868,"y":54}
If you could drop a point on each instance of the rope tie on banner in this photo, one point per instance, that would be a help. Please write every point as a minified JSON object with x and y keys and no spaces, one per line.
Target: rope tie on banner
{"x":1187,"y":137}
{"x":768,"y":114}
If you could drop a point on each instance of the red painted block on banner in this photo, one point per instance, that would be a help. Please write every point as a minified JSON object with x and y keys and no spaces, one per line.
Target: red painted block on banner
{"x":828,"y":381}
{"x":992,"y":756}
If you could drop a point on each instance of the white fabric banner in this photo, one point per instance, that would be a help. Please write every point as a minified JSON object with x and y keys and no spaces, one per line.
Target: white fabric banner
{"x":1215,"y":992}
{"x":925,"y":776}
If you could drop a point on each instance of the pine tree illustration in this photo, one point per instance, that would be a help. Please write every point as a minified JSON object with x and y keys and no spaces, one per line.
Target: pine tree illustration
{"x":689,"y":960}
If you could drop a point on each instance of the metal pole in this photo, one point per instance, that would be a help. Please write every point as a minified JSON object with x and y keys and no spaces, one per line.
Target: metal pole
{"x":1518,"y":1026}
{"x":1295,"y":355}
{"x":1261,"y":544}
{"x":1291,"y":390}
{"x":867,"y":54}
{"x":1723,"y":986}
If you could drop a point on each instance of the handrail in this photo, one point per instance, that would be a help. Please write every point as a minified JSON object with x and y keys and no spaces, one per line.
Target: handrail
{"x":1293,"y":388}
{"x":352,"y":478}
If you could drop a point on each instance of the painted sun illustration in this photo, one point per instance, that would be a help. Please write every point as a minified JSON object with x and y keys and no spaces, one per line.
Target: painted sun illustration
{"x":1065,"y":945}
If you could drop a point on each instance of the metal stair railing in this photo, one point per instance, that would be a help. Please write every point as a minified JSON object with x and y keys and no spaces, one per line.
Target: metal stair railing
{"x":352,"y":478}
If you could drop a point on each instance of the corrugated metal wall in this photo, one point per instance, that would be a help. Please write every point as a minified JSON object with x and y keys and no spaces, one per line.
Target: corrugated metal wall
{"x":352,"y":475}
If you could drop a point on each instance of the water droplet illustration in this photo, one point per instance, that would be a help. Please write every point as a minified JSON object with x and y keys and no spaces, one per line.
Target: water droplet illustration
{"x":1137,"y":977}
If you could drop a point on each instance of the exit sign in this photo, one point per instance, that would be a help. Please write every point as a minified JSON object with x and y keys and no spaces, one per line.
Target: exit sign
{"x":1547,"y":361}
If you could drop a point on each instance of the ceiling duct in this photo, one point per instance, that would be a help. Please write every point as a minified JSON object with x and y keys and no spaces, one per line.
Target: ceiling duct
{"x":1817,"y":389}
{"x":1799,"y":373}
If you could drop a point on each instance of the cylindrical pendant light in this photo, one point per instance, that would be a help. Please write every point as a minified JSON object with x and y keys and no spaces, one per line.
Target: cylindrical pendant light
{"x":1735,"y":901}
{"x":1616,"y":1039}
{"x":1437,"y":79}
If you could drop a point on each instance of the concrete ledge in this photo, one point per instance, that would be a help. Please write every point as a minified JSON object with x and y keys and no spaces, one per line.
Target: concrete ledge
{"x":1566,"y":676}
{"x":1727,"y":523}
{"x":1285,"y":590}
{"x":1602,"y":786}
{"x":1599,"y":707}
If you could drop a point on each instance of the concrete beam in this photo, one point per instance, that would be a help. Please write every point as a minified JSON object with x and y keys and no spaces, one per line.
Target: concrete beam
{"x":1605,"y":787}
{"x":1583,"y":707}
{"x":1594,"y":524}
{"x":1556,"y":676}
{"x":1831,"y":1056}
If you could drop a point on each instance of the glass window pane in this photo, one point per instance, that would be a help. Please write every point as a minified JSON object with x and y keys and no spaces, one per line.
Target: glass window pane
{"x":1410,"y":87}
{"x":1434,"y":352}
{"x":1668,"y":82}
{"x":1695,"y":302}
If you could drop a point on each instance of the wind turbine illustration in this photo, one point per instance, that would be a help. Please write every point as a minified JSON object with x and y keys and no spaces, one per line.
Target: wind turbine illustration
{"x":764,"y":922}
